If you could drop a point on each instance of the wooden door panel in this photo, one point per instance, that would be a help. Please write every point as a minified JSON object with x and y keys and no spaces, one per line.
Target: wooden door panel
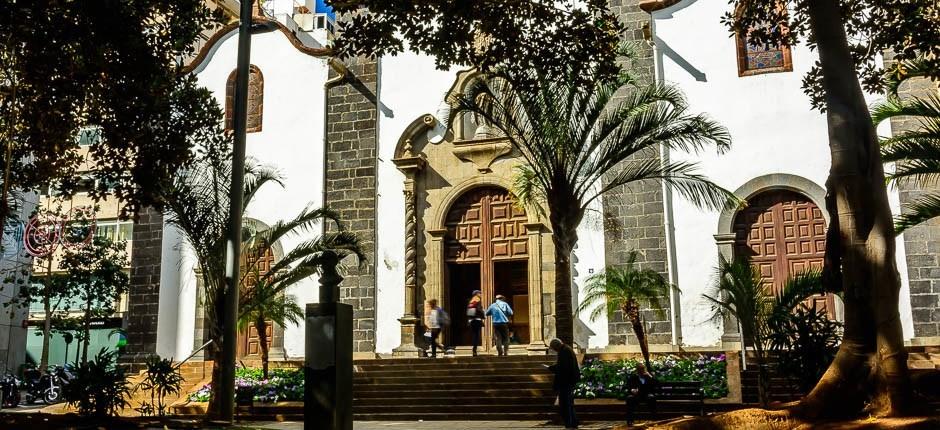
{"x":783,"y":233}
{"x":484,"y":226}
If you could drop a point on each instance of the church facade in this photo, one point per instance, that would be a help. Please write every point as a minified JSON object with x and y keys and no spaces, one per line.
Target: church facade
{"x":432,"y":203}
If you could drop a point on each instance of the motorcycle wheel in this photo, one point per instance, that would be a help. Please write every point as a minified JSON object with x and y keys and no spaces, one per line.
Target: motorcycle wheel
{"x":52,"y":395}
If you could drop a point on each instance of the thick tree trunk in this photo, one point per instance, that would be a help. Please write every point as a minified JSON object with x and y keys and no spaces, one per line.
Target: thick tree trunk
{"x":633,"y":314}
{"x":871,"y":365}
{"x":262,"y":327}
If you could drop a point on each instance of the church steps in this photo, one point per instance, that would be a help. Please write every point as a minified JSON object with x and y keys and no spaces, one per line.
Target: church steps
{"x":449,"y":398}
{"x":450,"y":379}
{"x":378,"y":396}
{"x":452,"y":366}
{"x":431,"y":415}
{"x":477,"y":388}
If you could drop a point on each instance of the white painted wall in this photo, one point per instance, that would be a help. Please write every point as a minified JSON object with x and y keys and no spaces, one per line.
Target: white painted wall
{"x":409,"y":86}
{"x":291,"y":140}
{"x":773,"y":131}
{"x":589,"y":260}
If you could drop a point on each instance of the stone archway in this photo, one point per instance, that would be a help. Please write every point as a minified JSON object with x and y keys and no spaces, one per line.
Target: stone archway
{"x":438,"y":171}
{"x":726,"y":237}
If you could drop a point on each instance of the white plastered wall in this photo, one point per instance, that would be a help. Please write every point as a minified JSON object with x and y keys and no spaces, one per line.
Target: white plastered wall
{"x":410,"y":86}
{"x":773,"y":130}
{"x":291,"y":140}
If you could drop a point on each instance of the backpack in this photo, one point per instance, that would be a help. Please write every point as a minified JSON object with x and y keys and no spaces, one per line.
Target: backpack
{"x":472,"y":310}
{"x":442,"y":318}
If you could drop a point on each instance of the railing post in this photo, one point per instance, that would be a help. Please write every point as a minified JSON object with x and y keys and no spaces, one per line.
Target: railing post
{"x":328,"y":362}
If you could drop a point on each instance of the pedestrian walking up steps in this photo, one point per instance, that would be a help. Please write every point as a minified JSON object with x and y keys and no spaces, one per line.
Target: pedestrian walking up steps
{"x":454,"y":388}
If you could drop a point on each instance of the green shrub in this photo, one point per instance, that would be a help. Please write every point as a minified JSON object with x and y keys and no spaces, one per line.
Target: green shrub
{"x":100,"y":387}
{"x":607,"y":379}
{"x":162,"y":378}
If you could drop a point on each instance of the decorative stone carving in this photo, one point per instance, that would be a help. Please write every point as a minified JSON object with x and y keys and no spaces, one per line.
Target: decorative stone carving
{"x":482,"y":153}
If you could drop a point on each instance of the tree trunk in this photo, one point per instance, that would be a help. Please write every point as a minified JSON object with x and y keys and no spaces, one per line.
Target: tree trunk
{"x":871,"y":365}
{"x":46,"y":330}
{"x":86,"y":330}
{"x":564,"y":236}
{"x":262,"y":327}
{"x":215,"y":350}
{"x":47,"y":320}
{"x":632,"y":313}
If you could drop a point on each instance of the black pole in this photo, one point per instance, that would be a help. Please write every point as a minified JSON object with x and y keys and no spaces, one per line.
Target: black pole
{"x":230,"y":302}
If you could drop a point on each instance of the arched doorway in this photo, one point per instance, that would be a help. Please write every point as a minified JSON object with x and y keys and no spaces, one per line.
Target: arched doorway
{"x":486,"y":248}
{"x":783,"y":233}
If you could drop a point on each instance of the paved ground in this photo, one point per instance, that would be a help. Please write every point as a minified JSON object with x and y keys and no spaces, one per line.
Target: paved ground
{"x":432,"y":425}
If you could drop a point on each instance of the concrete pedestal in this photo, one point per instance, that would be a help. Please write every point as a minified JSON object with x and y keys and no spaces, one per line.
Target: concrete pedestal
{"x":328,"y":367}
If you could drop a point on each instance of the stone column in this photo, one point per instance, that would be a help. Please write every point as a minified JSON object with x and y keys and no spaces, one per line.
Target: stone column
{"x":731,"y":336}
{"x":410,"y":165}
{"x":536,"y":336}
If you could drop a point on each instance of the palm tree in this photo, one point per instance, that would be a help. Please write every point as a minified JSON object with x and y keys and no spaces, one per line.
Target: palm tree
{"x":741,"y":293}
{"x":196,"y":202}
{"x":916,"y":151}
{"x":624,"y":289}
{"x":573,"y":135}
{"x":262,"y":303}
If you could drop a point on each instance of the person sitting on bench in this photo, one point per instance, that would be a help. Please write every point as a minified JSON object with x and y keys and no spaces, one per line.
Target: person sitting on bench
{"x":641,"y":386}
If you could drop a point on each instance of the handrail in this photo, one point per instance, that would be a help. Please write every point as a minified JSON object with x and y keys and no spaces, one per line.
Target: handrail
{"x":197,"y":351}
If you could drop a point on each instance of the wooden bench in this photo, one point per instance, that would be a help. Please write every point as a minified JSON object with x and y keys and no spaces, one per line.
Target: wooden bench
{"x":681,"y":392}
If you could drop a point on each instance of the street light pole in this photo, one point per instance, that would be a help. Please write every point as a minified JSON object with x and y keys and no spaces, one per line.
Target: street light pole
{"x":230,"y":302}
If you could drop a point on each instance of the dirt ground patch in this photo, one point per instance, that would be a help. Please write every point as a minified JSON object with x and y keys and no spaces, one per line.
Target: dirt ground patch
{"x":761,"y":419}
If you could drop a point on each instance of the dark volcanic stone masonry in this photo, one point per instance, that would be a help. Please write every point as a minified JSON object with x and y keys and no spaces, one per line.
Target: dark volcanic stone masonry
{"x":921,"y":243}
{"x":634,"y":216}
{"x":144,"y":293}
{"x":351,"y":166}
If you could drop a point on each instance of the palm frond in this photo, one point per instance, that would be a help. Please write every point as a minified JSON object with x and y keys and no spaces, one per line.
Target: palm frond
{"x":617,"y":287}
{"x":922,"y":209}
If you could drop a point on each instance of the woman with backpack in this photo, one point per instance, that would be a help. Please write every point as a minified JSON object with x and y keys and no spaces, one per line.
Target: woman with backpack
{"x":437,"y":320}
{"x":475,"y":319}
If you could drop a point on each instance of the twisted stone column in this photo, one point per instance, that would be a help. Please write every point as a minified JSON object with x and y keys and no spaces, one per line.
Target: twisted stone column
{"x":410,"y":166}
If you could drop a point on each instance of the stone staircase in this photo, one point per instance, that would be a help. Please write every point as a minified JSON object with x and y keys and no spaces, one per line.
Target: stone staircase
{"x":516,"y":387}
{"x":195,"y":375}
{"x":927,"y":357}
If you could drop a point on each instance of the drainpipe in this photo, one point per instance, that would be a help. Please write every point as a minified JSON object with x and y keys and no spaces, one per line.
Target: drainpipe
{"x":342,"y":73}
{"x":675,"y":317}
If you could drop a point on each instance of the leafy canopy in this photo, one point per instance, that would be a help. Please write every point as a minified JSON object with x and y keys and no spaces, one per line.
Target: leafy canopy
{"x":517,"y":36}
{"x":111,"y":68}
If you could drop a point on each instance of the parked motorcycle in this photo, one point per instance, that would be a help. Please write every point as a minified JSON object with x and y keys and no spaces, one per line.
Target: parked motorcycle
{"x":9,"y":391}
{"x":46,"y":387}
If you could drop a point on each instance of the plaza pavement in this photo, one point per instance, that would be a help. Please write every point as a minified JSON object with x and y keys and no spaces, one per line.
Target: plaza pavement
{"x":431,"y":425}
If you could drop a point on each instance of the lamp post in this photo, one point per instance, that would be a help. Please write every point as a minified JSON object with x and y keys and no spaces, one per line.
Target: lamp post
{"x":229,"y":316}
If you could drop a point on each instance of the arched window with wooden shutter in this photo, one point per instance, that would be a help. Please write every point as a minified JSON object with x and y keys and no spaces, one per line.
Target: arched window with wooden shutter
{"x":255,"y":100}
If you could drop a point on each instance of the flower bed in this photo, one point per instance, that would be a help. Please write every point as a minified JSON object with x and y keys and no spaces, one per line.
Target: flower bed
{"x":607,"y":379}
{"x":281,"y":385}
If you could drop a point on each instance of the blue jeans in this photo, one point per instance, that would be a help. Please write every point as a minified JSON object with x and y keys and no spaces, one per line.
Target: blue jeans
{"x":566,"y":407}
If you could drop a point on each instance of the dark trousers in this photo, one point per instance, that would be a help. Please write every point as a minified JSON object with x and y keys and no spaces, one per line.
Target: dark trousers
{"x":634,"y":400}
{"x":502,"y":338}
{"x":435,"y":332}
{"x":566,"y":407}
{"x":476,"y":327}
